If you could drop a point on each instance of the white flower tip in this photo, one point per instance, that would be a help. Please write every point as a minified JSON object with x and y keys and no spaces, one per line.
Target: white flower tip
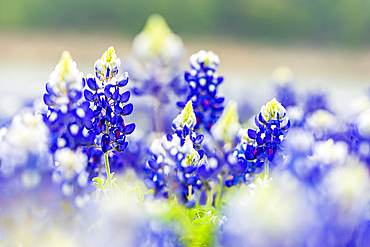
{"x":282,"y":75}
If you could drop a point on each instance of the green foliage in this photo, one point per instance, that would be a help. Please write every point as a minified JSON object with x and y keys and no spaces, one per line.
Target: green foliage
{"x":199,"y":224}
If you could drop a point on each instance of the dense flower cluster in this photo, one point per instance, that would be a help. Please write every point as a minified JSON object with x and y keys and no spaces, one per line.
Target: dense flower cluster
{"x":264,"y":144}
{"x":175,"y":159}
{"x":109,"y":103}
{"x":203,"y":81}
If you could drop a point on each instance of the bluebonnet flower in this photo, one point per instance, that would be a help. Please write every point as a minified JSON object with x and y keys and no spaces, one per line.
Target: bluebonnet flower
{"x":94,"y":161}
{"x":315,"y":100}
{"x":109,"y":104}
{"x":283,"y":79}
{"x":183,"y":125}
{"x":265,"y":142}
{"x":239,"y":170}
{"x":134,"y":157}
{"x":157,"y":43}
{"x":155,"y":70}
{"x":219,"y":149}
{"x":175,"y":159}
{"x":68,"y":119}
{"x":203,"y":82}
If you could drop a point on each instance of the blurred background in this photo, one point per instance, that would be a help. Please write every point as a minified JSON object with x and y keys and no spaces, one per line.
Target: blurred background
{"x":326,"y":43}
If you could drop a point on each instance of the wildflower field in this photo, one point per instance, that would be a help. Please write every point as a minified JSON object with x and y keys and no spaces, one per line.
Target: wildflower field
{"x":141,"y":153}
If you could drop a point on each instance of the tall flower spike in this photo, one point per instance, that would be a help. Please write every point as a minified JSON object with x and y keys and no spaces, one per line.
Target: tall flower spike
{"x":173,"y":167}
{"x":68,"y":118}
{"x":203,"y":82}
{"x":109,"y":103}
{"x":265,"y":143}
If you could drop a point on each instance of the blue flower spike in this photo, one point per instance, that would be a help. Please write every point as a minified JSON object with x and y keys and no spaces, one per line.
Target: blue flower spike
{"x":261,"y":146}
{"x":68,"y":118}
{"x":175,"y":160}
{"x":203,"y":82}
{"x":110,"y":105}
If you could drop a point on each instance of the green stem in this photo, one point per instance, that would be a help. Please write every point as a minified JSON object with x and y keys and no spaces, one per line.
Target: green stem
{"x":267,"y":167}
{"x":218,"y":194}
{"x":108,"y":175}
{"x":209,"y":199}
{"x":190,"y":190}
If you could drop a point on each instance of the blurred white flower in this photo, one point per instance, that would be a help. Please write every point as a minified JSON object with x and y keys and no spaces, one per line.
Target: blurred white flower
{"x":28,"y":132}
{"x":295,"y":113}
{"x":364,"y":123}
{"x":70,"y":162}
{"x":276,"y":212}
{"x":282,"y":75}
{"x":330,"y":153}
{"x":157,"y":41}
{"x":300,"y":140}
{"x":321,"y":120}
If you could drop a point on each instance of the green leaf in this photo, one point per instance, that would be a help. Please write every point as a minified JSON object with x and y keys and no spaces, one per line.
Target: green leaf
{"x":117,"y":188}
{"x":98,"y":182}
{"x":124,"y":188}
{"x":139,"y":194}
{"x":150,"y":191}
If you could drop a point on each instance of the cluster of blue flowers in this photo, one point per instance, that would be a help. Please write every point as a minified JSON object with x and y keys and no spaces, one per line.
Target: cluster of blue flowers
{"x":272,"y":124}
{"x":203,"y":178}
{"x":175,"y":160}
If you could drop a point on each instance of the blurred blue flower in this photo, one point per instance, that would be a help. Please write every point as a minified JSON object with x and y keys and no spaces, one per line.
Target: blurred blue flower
{"x":68,"y":118}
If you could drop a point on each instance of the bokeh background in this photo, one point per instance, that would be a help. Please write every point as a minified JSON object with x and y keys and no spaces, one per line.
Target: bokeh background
{"x":325,"y":42}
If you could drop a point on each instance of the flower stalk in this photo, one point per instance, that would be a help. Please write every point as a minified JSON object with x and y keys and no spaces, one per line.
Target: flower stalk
{"x":109,"y":178}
